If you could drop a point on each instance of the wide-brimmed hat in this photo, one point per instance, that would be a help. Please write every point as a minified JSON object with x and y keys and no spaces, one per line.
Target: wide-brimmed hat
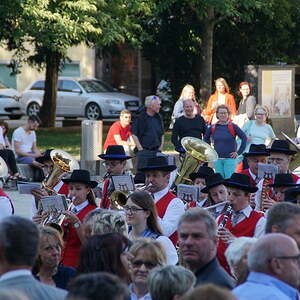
{"x":159,"y":163}
{"x":46,"y":156}
{"x":212,"y":181}
{"x":241,"y":182}
{"x":256,"y":150}
{"x":291,"y":194}
{"x":283,"y":180}
{"x":115,"y":152}
{"x":281,"y":146}
{"x":82,"y":176}
{"x":203,"y":172}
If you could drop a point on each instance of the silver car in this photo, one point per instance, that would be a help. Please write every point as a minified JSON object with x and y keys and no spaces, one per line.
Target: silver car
{"x":9,"y":103}
{"x":80,"y":97}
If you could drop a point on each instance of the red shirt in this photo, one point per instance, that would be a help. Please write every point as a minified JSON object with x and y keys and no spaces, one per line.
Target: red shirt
{"x":116,"y":128}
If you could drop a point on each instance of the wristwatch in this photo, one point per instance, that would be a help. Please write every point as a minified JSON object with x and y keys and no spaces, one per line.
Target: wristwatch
{"x":76,"y":225}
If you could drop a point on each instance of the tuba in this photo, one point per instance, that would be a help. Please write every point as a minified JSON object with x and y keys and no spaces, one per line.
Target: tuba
{"x":295,"y":162}
{"x":197,"y":152}
{"x":63,"y":162}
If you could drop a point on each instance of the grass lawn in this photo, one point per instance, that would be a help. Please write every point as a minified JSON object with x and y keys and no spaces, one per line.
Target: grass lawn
{"x":69,"y":139}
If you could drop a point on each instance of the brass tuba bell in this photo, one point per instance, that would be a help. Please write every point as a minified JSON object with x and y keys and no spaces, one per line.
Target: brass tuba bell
{"x":197,"y":152}
{"x":63,"y":162}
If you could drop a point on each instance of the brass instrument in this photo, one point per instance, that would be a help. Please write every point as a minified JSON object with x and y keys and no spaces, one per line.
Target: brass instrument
{"x":119,"y":198}
{"x":63,"y":162}
{"x":197,"y":152}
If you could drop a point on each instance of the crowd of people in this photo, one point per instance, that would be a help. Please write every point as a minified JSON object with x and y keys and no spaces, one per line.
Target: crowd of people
{"x":238,"y":240}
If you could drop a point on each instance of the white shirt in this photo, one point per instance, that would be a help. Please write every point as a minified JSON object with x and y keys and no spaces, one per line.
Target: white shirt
{"x":15,"y":273}
{"x":80,"y":206}
{"x":172,"y":257}
{"x":25,"y":139}
{"x":173,"y":212}
{"x":5,"y":207}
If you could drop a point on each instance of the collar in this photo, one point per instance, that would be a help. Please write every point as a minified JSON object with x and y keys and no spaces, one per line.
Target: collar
{"x":15,"y":273}
{"x":252,"y":175}
{"x":205,"y":269}
{"x":246,"y":211}
{"x":220,"y":208}
{"x":81,"y":206}
{"x":158,"y":195}
{"x":134,"y":295}
{"x":201,"y":203}
{"x":262,"y":278}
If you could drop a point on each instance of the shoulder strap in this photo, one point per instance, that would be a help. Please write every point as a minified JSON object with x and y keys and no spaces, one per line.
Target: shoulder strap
{"x":231,"y":129}
{"x":212,"y":129}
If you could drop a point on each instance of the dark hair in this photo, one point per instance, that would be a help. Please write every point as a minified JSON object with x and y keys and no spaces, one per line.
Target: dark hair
{"x":223,"y":106}
{"x":35,"y":118}
{"x":144,"y":200}
{"x":5,"y":125}
{"x":97,"y":286}
{"x":102,"y":253}
{"x":281,"y":214}
{"x":19,"y":240}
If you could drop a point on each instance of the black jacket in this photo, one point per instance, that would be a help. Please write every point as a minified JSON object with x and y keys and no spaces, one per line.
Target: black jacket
{"x":215,"y":274}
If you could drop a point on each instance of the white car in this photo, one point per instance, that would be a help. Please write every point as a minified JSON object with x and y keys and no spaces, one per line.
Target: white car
{"x":80,"y":97}
{"x":9,"y":103}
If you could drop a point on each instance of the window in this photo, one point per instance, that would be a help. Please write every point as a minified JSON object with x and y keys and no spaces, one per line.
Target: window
{"x":69,"y":86}
{"x":39,"y":85}
{"x":96,"y":86}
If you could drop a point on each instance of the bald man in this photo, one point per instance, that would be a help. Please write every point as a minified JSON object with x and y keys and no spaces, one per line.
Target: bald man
{"x":274,"y":267}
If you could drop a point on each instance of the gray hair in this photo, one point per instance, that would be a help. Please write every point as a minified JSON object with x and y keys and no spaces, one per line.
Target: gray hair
{"x":103,"y":221}
{"x":263,"y":251}
{"x":281,"y":215}
{"x":237,"y":249}
{"x":150,"y":99}
{"x":19,"y":239}
{"x":197,"y":214}
{"x":167,"y":281}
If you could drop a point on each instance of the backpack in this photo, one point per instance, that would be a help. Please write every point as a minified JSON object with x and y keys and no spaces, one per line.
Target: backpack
{"x":230,"y":129}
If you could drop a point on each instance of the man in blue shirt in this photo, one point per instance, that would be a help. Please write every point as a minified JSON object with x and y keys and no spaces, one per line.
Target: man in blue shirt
{"x":274,"y":267}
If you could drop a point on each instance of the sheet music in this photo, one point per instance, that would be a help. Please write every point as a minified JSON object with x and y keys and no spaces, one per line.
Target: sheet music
{"x":123,"y":183}
{"x":27,"y":187}
{"x":267,"y":171}
{"x":188,"y":193}
{"x":54,"y":203}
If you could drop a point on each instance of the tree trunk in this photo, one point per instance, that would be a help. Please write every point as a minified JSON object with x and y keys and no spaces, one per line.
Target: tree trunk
{"x":207,"y":26}
{"x":48,"y":110}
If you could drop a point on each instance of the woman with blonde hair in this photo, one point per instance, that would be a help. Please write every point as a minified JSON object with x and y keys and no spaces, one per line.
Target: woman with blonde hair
{"x":146,"y":255}
{"x":141,"y":216}
{"x":220,"y":97}
{"x":47,"y":268}
{"x":187,"y":93}
{"x":258,"y":131}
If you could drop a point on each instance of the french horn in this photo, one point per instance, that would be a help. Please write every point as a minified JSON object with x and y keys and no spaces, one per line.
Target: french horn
{"x":197,"y":152}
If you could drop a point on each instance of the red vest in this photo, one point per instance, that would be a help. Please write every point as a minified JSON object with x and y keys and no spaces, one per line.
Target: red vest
{"x":243,"y":228}
{"x":161,"y":207}
{"x":72,"y":244}
{"x":105,"y":203}
{"x":64,"y":189}
{"x":295,"y":177}
{"x":2,"y":194}
{"x":252,"y":181}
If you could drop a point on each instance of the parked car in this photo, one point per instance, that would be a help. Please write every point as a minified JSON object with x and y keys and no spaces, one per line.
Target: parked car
{"x":80,"y":97}
{"x":9,"y":102}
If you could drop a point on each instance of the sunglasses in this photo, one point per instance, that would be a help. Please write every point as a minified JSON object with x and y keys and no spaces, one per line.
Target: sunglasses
{"x":147,"y":264}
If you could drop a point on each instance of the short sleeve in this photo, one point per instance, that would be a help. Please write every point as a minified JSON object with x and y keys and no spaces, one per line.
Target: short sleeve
{"x":17,"y":135}
{"x":271,"y":132}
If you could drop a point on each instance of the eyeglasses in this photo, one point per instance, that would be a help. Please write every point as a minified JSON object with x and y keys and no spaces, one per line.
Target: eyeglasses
{"x":110,"y":163}
{"x":261,"y":114}
{"x":295,"y":257}
{"x":275,"y":160}
{"x":132,"y":209}
{"x":147,"y":264}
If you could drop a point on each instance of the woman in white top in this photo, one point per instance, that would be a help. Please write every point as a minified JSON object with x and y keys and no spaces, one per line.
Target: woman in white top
{"x":187,"y":93}
{"x":258,"y":131}
{"x":141,"y":217}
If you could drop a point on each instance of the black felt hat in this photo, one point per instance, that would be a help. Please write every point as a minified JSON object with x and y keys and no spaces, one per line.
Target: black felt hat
{"x":115,"y":152}
{"x":281,"y":146}
{"x":46,"y":156}
{"x":158,"y":163}
{"x":291,"y":194}
{"x":283,"y":180}
{"x":212,"y":181}
{"x":241,"y":182}
{"x":81,"y":176}
{"x":203,"y":172}
{"x":256,"y":150}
